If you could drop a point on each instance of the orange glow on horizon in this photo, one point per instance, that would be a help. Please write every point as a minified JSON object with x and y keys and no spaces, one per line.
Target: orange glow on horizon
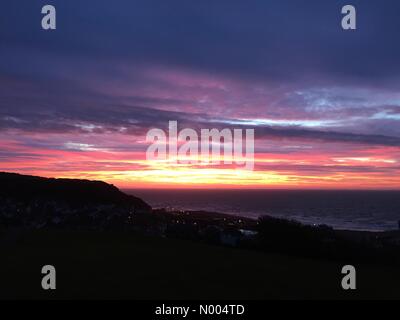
{"x":362,"y":168}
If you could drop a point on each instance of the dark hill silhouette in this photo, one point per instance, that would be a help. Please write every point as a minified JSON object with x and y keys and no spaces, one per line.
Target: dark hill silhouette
{"x":72,"y":191}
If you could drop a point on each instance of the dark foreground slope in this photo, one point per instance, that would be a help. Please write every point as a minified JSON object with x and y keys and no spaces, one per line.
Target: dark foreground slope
{"x":125,"y":265}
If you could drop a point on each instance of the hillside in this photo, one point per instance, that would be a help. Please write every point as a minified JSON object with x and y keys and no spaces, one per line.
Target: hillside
{"x":24,"y":187}
{"x":37,"y":202}
{"x":103,"y":265}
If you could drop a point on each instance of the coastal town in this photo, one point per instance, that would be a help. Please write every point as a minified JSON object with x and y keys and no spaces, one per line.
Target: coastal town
{"x":63,"y":204}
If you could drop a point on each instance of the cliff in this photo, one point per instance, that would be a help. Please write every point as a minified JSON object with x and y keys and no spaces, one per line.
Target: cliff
{"x":36,"y":201}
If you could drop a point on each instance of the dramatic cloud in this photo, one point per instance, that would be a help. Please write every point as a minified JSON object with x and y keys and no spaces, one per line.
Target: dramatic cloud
{"x":78,"y":101}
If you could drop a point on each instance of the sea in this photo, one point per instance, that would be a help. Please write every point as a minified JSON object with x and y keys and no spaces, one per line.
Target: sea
{"x":347,"y":210}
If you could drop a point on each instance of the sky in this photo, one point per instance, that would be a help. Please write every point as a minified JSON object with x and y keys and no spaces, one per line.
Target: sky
{"x":78,"y":101}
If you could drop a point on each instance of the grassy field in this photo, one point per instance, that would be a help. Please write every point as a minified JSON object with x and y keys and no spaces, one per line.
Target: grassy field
{"x":93,"y":265}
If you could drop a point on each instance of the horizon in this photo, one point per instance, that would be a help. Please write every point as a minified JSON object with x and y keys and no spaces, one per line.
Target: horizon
{"x":207,"y":188}
{"x":78,"y":101}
